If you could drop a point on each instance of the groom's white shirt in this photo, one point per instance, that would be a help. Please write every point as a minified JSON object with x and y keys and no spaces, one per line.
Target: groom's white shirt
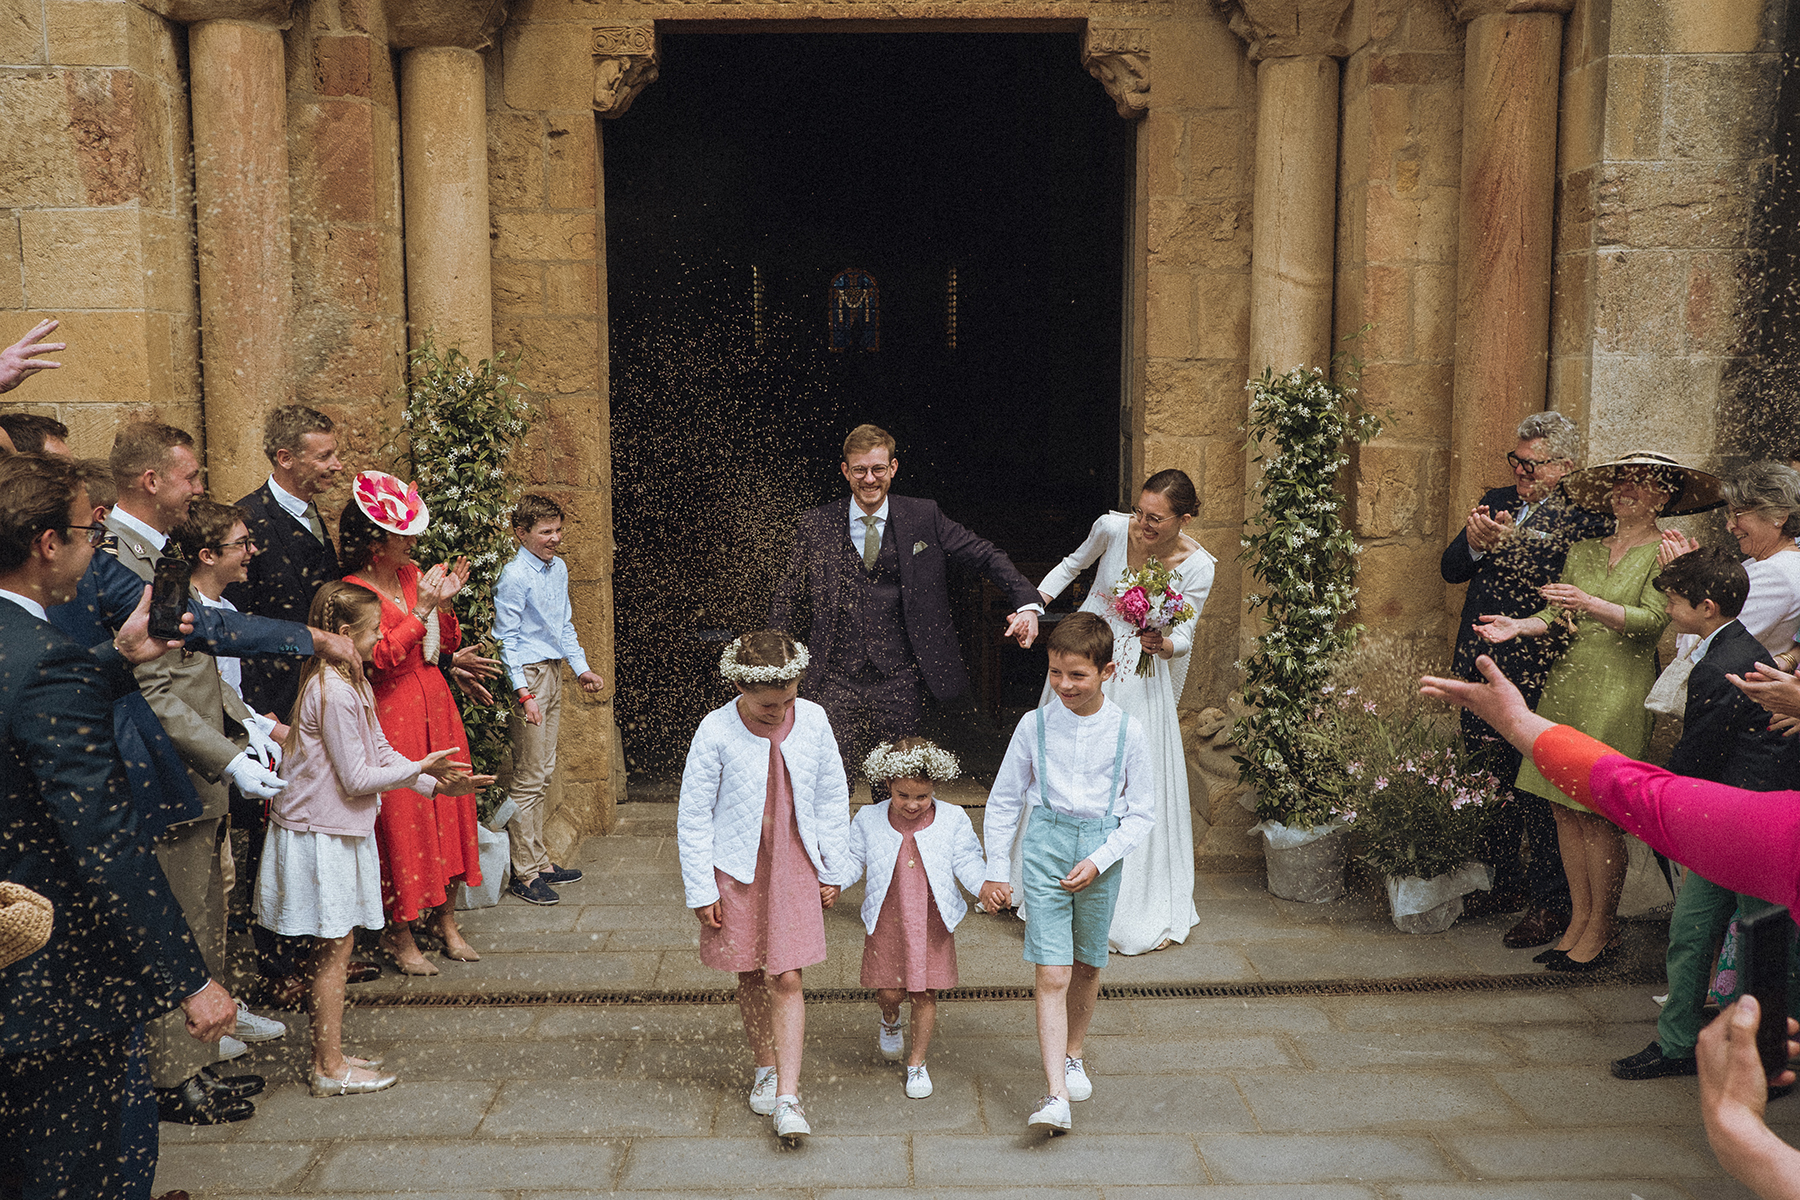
{"x":858,"y":530}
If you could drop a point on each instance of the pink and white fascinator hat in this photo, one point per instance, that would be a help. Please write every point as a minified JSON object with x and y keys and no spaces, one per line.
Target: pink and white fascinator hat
{"x":391,"y":504}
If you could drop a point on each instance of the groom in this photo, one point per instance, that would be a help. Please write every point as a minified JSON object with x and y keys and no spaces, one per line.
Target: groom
{"x":873,"y":574}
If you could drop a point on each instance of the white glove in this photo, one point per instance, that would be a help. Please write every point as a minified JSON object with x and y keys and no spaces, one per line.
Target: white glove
{"x":263,"y":746}
{"x":252,"y":778}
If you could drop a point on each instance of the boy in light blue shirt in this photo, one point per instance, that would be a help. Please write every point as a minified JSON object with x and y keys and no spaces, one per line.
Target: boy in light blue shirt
{"x":536,"y":633}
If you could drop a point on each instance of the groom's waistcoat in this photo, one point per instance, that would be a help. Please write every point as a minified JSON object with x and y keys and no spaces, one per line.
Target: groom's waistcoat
{"x":871,"y":627}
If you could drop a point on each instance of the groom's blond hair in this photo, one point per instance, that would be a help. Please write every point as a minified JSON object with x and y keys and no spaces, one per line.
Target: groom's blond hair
{"x":865,"y":438}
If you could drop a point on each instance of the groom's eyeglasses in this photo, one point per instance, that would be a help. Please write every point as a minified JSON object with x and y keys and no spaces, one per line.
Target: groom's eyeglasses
{"x":870,"y":472}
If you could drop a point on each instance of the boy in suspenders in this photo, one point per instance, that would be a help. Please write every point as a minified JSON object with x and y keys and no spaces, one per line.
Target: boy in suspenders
{"x":1083,"y":768}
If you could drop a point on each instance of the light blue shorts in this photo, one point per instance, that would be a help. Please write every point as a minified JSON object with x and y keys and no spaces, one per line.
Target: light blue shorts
{"x":1061,"y":927}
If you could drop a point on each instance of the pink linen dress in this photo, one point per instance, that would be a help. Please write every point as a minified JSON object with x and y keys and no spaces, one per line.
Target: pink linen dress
{"x":774,"y":923}
{"x":911,"y":947}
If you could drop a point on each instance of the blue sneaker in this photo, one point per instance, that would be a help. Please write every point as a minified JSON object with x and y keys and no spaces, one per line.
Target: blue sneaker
{"x":558,"y":874}
{"x":535,"y":892}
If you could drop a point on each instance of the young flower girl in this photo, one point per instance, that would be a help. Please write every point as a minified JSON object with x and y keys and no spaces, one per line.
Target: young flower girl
{"x":914,"y":849}
{"x":764,"y":811}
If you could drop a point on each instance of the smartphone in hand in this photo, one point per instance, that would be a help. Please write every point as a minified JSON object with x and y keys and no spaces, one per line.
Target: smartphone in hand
{"x":1767,"y":940}
{"x":169,"y":598}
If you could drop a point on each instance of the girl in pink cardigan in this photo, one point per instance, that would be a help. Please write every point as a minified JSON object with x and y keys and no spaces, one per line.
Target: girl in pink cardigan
{"x":320,"y":875}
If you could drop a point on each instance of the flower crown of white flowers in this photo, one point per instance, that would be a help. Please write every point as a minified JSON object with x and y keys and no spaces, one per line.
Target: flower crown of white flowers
{"x":921,"y":762}
{"x":739,"y":672}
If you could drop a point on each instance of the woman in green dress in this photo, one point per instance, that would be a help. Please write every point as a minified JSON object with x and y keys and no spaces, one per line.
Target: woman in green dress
{"x":1599,"y":684}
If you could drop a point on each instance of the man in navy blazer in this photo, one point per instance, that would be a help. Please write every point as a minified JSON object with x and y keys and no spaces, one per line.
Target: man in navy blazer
{"x":75,"y":1112}
{"x":1512,"y":544}
{"x":871,"y":575}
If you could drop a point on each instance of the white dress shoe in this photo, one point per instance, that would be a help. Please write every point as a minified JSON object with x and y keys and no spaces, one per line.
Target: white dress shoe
{"x":325,"y":1085}
{"x":252,"y":1028}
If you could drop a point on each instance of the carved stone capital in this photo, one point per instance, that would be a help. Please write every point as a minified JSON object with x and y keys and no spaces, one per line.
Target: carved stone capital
{"x":625,"y":63}
{"x":253,"y":12}
{"x":1468,"y":10}
{"x":1289,"y":28}
{"x":466,"y":25}
{"x":1120,"y":59}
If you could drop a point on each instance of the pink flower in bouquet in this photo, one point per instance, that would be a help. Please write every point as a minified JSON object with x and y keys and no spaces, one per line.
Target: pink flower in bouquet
{"x":1133,"y":605}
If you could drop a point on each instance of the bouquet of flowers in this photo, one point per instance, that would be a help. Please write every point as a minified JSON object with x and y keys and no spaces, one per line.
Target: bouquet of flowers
{"x":1146,"y":599}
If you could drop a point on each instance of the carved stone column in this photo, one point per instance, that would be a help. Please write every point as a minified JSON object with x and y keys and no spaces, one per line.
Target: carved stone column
{"x":1512,"y":59}
{"x":1119,"y":58}
{"x":1294,"y":207}
{"x":238,"y":94}
{"x":625,"y":63}
{"x":443,"y":155}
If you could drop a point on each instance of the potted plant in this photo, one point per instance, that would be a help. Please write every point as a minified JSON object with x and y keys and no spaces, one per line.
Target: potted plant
{"x":1303,"y":556}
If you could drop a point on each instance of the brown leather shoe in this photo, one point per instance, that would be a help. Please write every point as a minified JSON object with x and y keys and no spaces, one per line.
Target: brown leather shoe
{"x":1539,"y":927}
{"x":362,"y":972}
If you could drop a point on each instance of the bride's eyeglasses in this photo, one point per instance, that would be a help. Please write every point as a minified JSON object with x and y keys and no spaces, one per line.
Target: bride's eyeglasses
{"x":1149,"y":521}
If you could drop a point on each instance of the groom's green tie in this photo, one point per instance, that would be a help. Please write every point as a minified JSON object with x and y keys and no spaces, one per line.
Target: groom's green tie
{"x":871,"y":543}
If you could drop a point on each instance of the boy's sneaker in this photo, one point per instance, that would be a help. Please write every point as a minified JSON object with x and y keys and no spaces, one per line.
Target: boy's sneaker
{"x":892,"y":1041}
{"x":1076,"y":1076}
{"x":762,"y":1092}
{"x":535,"y":892}
{"x":230,"y":1048}
{"x":1052,"y":1111}
{"x":252,"y":1028}
{"x":558,"y":874}
{"x":790,"y":1118}
{"x":918,"y":1082}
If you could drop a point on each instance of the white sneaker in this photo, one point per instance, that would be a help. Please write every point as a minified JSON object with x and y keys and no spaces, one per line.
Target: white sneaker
{"x":790,"y":1118}
{"x":918,"y":1082}
{"x":1052,"y":1111}
{"x":252,"y":1028}
{"x":892,"y":1040}
{"x":762,"y":1092}
{"x":1076,"y":1076}
{"x":230,"y":1048}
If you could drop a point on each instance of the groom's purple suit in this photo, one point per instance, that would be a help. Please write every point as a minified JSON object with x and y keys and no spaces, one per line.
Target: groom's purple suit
{"x":876,"y":636}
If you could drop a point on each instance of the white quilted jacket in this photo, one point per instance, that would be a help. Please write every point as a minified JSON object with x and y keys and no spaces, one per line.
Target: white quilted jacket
{"x":725,"y":786}
{"x":948,"y":845}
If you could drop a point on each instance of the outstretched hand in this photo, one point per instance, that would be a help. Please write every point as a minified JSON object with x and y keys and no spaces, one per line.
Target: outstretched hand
{"x":1022,"y":627}
{"x":1772,"y":688}
{"x":1495,"y":701}
{"x":133,"y":640}
{"x":19,"y":361}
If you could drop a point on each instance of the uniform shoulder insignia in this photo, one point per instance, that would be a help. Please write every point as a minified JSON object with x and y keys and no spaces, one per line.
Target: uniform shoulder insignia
{"x":109,"y":543}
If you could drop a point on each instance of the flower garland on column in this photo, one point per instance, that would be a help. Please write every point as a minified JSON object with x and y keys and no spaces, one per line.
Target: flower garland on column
{"x":1304,"y":558}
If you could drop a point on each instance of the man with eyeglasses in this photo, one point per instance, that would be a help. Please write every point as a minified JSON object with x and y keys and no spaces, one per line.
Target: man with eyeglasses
{"x":1513,"y":543}
{"x":873,"y":575}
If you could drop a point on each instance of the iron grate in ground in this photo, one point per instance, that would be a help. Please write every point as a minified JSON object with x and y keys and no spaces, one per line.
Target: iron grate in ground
{"x":1422,"y":985}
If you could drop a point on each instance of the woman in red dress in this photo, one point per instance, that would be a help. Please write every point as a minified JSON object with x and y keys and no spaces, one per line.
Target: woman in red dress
{"x":426,"y":842}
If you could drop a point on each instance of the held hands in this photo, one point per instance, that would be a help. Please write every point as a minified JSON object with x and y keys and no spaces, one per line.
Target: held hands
{"x":211,"y":1013}
{"x":133,"y":641}
{"x":1674,"y":545}
{"x":265,"y":745}
{"x":1084,"y":873}
{"x":828,"y":894}
{"x":995,"y":896}
{"x":1022,"y":627}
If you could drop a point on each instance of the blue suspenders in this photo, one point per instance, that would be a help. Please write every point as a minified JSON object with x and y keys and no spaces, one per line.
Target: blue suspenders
{"x":1118,"y":762}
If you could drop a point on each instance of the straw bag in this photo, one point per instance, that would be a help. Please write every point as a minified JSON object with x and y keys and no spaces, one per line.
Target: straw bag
{"x":25,"y":922}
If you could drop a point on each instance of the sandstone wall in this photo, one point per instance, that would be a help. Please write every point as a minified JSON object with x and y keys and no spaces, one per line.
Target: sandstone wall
{"x":96,"y":211}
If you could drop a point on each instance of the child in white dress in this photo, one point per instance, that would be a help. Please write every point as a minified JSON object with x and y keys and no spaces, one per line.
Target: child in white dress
{"x":320,"y":876}
{"x":914,"y":850}
{"x":764,"y":811}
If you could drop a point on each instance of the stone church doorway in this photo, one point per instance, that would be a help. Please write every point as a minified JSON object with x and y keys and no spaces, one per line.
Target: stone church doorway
{"x":805,"y":231}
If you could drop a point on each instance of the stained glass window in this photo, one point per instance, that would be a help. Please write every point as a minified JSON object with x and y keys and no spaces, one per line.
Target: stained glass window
{"x":855,"y":315}
{"x":950,"y":310}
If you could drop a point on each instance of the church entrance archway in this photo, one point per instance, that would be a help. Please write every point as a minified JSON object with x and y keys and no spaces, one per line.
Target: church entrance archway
{"x":809,"y":230}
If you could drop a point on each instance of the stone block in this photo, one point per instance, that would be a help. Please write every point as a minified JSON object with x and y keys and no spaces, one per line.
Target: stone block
{"x":1637,"y":301}
{"x":1581,"y":126}
{"x":332,"y":149}
{"x":572,"y":160}
{"x":1199,"y":63}
{"x":1598,"y":1154}
{"x":1329,"y":1158}
{"x":1691,"y":27}
{"x":22,"y":33}
{"x":545,"y":236}
{"x":169,"y":271}
{"x":1225,"y":472}
{"x":549,"y":66}
{"x":84,"y":33}
{"x":1575,"y":211}
{"x":1184,"y":454}
{"x":1193,"y":399}
{"x":1390,"y":493}
{"x":518,"y":287}
{"x":1387,"y":302}
{"x":1398,"y":584}
{"x":1169,"y":314}
{"x":347,"y":358}
{"x":1727,"y":108}
{"x":1434,"y":312}
{"x":1214,"y":234}
{"x":1222,"y":305}
{"x":83,"y":258}
{"x":1667,"y":402}
{"x":341,"y":265}
{"x":1218,"y":156}
{"x":1572,"y":304}
{"x":572,"y":288}
{"x":1680,"y":205}
{"x":1415,"y":398}
{"x":341,"y":66}
{"x":12,"y":270}
{"x":1720,"y":291}
{"x":1161,"y":140}
{"x":515,"y":160}
{"x":114,"y":365}
{"x":561,"y":353}
{"x":1635,"y":88}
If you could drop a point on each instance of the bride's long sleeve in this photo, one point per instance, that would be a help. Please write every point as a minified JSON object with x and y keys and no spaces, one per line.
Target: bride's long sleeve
{"x":1196,"y":575}
{"x":1085,"y":555}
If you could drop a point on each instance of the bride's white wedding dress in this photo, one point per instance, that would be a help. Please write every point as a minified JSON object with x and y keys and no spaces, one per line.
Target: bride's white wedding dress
{"x":1156,"y":888}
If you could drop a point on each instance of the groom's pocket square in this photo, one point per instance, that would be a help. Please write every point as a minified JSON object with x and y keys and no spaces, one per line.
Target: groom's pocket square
{"x":918,"y":546}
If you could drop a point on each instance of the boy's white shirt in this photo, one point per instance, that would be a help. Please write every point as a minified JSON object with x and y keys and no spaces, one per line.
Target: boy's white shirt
{"x":948,"y":847}
{"x":1078,"y":783}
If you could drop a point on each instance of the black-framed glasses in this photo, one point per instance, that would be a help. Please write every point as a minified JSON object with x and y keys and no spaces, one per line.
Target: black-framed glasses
{"x":95,"y":533}
{"x":247,"y":543}
{"x":1528,"y":465}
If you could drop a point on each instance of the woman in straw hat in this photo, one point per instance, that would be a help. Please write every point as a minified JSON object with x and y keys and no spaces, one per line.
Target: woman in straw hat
{"x":1599,"y":684}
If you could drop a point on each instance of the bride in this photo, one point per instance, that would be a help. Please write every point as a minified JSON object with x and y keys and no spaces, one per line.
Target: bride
{"x":1156,"y":890}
